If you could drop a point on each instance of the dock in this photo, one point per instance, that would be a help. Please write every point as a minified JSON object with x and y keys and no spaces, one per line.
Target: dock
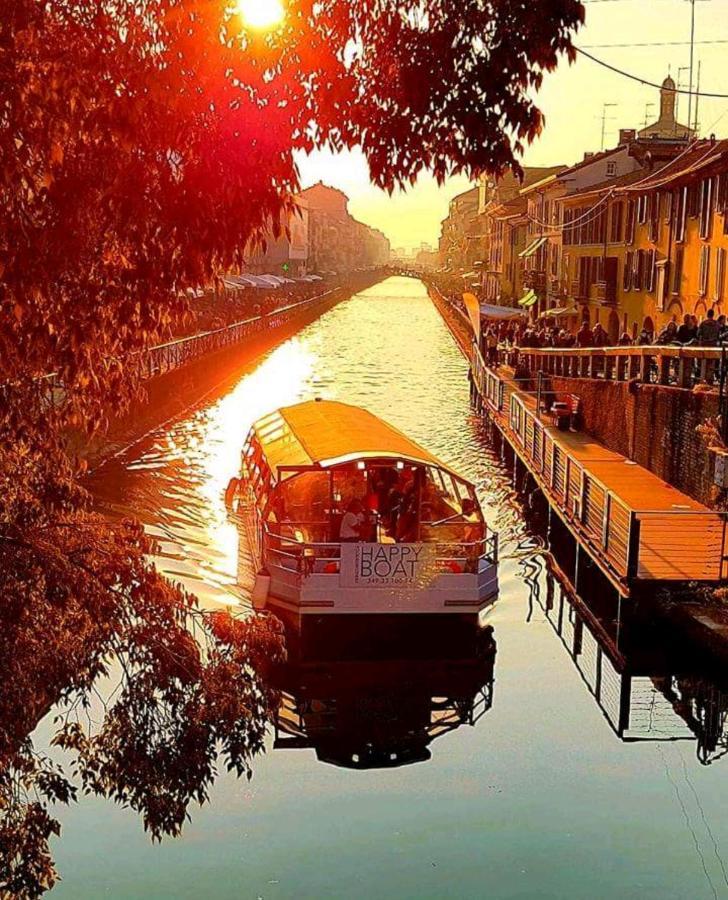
{"x":638,"y":529}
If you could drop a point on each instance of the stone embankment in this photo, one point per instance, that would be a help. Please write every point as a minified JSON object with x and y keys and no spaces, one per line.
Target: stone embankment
{"x":183,"y":372}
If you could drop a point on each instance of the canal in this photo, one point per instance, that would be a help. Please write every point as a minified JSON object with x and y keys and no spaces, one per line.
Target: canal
{"x":566,"y":768}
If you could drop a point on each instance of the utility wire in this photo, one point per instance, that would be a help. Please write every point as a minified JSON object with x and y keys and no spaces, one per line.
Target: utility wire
{"x":655,"y":44}
{"x":645,"y":81}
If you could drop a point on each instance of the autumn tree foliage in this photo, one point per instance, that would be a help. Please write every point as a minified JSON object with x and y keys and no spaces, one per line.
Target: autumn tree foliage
{"x":143,"y":145}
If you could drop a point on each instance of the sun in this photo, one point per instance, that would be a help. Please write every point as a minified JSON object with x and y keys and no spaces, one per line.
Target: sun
{"x":261,"y":14}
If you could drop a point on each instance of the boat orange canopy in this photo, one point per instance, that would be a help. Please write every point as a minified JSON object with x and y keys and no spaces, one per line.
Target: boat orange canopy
{"x":325,"y":433}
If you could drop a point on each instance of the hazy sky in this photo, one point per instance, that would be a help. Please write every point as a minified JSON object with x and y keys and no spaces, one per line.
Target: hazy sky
{"x":572,"y":100}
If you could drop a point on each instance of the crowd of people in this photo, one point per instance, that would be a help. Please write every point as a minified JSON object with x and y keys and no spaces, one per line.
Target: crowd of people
{"x":217,"y":309}
{"x":712,"y":331}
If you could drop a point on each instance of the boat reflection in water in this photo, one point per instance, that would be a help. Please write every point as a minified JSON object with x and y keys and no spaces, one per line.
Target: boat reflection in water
{"x":383,"y":708}
{"x":649,"y":684}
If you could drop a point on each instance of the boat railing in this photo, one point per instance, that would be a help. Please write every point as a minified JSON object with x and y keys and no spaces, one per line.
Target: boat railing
{"x":324,"y":558}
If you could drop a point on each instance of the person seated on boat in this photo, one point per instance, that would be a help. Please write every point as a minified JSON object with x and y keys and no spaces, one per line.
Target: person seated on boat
{"x":473,"y":535}
{"x":407,"y":520}
{"x":352,"y":522}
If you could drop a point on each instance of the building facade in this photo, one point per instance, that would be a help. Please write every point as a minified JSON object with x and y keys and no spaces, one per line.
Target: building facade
{"x":337,"y":241}
{"x":287,"y":254}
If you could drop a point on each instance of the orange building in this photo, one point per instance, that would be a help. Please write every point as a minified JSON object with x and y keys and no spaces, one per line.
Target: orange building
{"x":650,"y":247}
{"x":676,"y":224}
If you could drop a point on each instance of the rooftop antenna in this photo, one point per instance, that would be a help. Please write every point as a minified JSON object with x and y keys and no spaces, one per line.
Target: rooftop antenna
{"x":648,"y":116}
{"x":605,"y":107}
{"x":697,"y":101}
{"x":680,"y":85}
{"x":692,"y":55}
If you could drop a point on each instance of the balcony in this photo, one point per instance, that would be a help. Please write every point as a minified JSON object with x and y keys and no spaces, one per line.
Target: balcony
{"x":605,"y":292}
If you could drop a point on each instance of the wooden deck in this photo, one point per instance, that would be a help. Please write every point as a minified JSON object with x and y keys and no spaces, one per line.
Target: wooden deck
{"x":636,"y":526}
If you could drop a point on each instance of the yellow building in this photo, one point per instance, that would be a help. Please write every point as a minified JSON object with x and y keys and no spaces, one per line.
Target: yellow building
{"x":652,"y":247}
{"x":503,"y":279}
{"x":675,"y":262}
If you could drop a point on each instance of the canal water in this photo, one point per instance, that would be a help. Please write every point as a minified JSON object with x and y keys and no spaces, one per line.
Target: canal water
{"x":546,"y":767}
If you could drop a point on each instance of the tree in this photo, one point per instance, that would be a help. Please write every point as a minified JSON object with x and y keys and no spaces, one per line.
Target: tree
{"x":145,"y":142}
{"x":143,"y":145}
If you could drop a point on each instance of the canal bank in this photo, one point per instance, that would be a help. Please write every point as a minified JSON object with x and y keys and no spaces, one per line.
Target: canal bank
{"x":608,"y":518}
{"x":181,"y":373}
{"x":533,"y":793}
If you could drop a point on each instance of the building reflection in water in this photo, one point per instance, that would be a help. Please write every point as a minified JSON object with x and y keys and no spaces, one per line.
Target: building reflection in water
{"x":648,"y":684}
{"x":381,"y":707}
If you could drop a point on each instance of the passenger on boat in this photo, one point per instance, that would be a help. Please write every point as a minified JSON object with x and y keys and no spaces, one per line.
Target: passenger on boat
{"x":352,"y":522}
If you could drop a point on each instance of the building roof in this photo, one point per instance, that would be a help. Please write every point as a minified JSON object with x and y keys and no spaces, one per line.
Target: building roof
{"x":590,"y":159}
{"x":608,"y":184}
{"x":325,"y":433}
{"x":516,"y":206}
{"x":695,"y":162}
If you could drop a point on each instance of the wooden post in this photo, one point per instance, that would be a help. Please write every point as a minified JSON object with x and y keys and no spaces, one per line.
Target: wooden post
{"x":684,"y":372}
{"x":663,"y":369}
{"x":644,"y":368}
{"x":634,"y":367}
{"x":633,"y":546}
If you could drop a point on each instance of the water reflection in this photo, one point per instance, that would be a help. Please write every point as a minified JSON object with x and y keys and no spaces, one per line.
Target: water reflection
{"x":649,"y":685}
{"x":384,"y":707}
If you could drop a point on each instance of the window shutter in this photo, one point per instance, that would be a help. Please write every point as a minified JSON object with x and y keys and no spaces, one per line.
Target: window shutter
{"x":627,"y":274}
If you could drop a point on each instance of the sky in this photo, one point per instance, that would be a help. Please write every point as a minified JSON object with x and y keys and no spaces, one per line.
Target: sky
{"x":572,"y":100}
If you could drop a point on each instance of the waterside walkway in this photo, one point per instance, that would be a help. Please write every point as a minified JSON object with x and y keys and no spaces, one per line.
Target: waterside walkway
{"x":635,"y":526}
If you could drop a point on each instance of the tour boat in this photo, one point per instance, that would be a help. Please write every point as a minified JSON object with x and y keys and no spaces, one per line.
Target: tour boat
{"x":347,"y":515}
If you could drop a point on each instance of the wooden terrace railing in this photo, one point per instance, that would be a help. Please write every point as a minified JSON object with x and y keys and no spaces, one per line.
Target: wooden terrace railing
{"x":634,"y":543}
{"x":669,"y":365}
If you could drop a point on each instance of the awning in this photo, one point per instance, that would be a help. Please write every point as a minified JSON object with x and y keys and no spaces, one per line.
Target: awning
{"x":528,"y":299}
{"x":488,"y":311}
{"x":472,"y":305}
{"x":470,"y":275}
{"x":532,"y":248}
{"x":559,"y":312}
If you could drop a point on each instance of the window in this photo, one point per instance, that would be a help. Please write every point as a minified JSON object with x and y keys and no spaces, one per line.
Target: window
{"x":668,"y":204}
{"x":704,"y":269}
{"x":643,"y":205}
{"x":719,"y":274}
{"x":650,"y":273}
{"x":627,"y":275}
{"x":655,"y":219}
{"x":677,"y":270}
{"x":638,"y":270}
{"x":681,"y":211}
{"x":568,"y":236}
{"x":629,"y":234}
{"x":721,"y":193}
{"x":706,"y":208}
{"x":693,"y":200}
{"x":616,"y":231}
{"x":611,"y":169}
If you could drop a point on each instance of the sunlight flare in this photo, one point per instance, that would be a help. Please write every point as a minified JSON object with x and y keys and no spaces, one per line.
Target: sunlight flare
{"x":261,"y":15}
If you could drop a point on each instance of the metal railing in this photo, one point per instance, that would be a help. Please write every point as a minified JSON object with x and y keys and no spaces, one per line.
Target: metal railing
{"x":675,"y":366}
{"x":642,"y":544}
{"x":324,"y":558}
{"x":172,"y":355}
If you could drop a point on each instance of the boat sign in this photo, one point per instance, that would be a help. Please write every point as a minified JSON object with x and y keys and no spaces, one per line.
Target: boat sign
{"x":387,"y":565}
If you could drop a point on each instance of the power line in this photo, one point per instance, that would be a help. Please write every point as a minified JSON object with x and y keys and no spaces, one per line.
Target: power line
{"x":646,"y":81}
{"x":653,"y":44}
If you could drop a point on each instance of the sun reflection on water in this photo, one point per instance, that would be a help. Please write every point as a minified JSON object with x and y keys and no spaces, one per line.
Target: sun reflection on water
{"x":385,"y":349}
